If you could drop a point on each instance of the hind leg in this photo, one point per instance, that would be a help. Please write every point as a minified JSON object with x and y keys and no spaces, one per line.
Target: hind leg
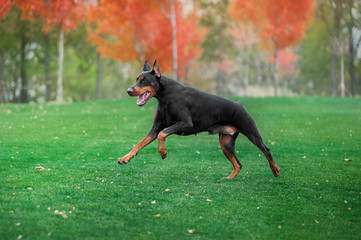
{"x":256,"y":139}
{"x":266,"y":151}
{"x":227,"y":144}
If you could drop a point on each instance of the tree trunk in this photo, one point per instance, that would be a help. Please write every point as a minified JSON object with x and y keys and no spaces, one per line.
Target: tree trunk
{"x":2,"y":80}
{"x":174,"y":39}
{"x":13,"y":89}
{"x":99,"y":77}
{"x":24,"y":82}
{"x":351,"y":48}
{"x":333,"y":75}
{"x":342,"y":75}
{"x":351,"y":70}
{"x":185,"y":79}
{"x":221,"y":85}
{"x":351,"y":66}
{"x":47,"y":68}
{"x":246,"y":69}
{"x":275,"y":69}
{"x":59,"y":90}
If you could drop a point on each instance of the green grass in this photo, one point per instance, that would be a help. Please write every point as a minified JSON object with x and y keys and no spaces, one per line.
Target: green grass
{"x":317,"y":196}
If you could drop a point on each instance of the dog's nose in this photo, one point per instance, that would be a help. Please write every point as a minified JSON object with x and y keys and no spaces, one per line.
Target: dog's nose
{"x":130,"y":91}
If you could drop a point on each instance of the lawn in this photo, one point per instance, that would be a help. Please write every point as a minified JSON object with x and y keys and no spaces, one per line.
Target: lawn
{"x":84,"y":194}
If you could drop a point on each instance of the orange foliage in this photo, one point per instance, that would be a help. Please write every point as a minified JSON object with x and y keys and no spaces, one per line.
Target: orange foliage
{"x":132,"y":30}
{"x":280,"y":22}
{"x":117,"y":30}
{"x":5,"y":6}
{"x":30,"y":8}
{"x":189,"y":37}
{"x":64,"y":14}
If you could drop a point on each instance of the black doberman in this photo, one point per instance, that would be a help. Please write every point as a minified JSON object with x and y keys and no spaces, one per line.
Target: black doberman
{"x":184,"y":110}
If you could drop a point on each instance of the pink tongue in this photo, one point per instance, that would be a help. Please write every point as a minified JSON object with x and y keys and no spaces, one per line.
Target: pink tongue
{"x":141,"y":99}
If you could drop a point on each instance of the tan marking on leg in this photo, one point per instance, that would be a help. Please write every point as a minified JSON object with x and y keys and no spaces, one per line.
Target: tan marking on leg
{"x":231,"y":156}
{"x":275,"y":169}
{"x":144,"y":142}
{"x":161,"y":146}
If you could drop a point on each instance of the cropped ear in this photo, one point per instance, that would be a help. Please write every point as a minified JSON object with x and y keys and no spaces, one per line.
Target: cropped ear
{"x":156,"y":69}
{"x":146,"y":66}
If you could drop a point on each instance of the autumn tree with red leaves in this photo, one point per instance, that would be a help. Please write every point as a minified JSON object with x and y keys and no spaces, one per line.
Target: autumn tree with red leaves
{"x":186,"y":45}
{"x":5,"y":6}
{"x":119,"y":32}
{"x":280,"y":23}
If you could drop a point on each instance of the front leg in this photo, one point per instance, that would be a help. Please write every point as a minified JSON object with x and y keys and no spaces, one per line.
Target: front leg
{"x":158,"y":125}
{"x":161,"y":147}
{"x":144,"y":142}
{"x":176,"y":128}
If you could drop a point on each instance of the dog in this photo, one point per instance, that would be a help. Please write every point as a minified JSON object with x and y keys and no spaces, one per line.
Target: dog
{"x":185,"y":111}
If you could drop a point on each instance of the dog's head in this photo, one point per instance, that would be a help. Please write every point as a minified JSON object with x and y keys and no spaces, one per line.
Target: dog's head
{"x":147,"y":84}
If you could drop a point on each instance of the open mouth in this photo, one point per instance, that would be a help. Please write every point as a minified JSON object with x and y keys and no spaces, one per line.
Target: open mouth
{"x":143,"y":99}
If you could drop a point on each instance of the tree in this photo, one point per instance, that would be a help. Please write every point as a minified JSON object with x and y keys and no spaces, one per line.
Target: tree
{"x":281,"y":23}
{"x":23,"y":28}
{"x":99,"y":77}
{"x":28,"y":8}
{"x":186,"y":37}
{"x":171,"y":15}
{"x":61,"y":14}
{"x":314,"y":52}
{"x":109,"y":31}
{"x":119,"y":32}
{"x":189,"y":42}
{"x":173,"y":22}
{"x":341,"y":19}
{"x":332,"y":13}
{"x":64,"y":15}
{"x":80,"y":77}
{"x":354,"y":40}
{"x":218,"y":44}
{"x":5,"y":6}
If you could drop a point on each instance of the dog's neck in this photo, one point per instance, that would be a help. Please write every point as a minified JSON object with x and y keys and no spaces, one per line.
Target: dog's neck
{"x":166,"y":86}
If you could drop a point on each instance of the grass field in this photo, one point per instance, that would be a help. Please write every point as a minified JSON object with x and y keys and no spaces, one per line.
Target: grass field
{"x":84,"y":194}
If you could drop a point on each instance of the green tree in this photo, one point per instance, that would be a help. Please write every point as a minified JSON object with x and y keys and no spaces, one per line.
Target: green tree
{"x":15,"y":36}
{"x":218,"y":44}
{"x":314,"y":62}
{"x":79,"y":77}
{"x":342,"y":21}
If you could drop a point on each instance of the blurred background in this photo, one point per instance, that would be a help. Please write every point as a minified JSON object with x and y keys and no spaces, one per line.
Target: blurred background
{"x":74,"y":50}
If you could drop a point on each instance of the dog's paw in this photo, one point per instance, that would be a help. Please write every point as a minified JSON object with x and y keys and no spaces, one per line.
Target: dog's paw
{"x":163,"y":153}
{"x":125,"y":159}
{"x":276,"y":171}
{"x":121,"y":161}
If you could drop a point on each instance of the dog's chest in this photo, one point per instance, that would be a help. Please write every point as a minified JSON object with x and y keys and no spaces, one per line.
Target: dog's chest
{"x":169,"y":114}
